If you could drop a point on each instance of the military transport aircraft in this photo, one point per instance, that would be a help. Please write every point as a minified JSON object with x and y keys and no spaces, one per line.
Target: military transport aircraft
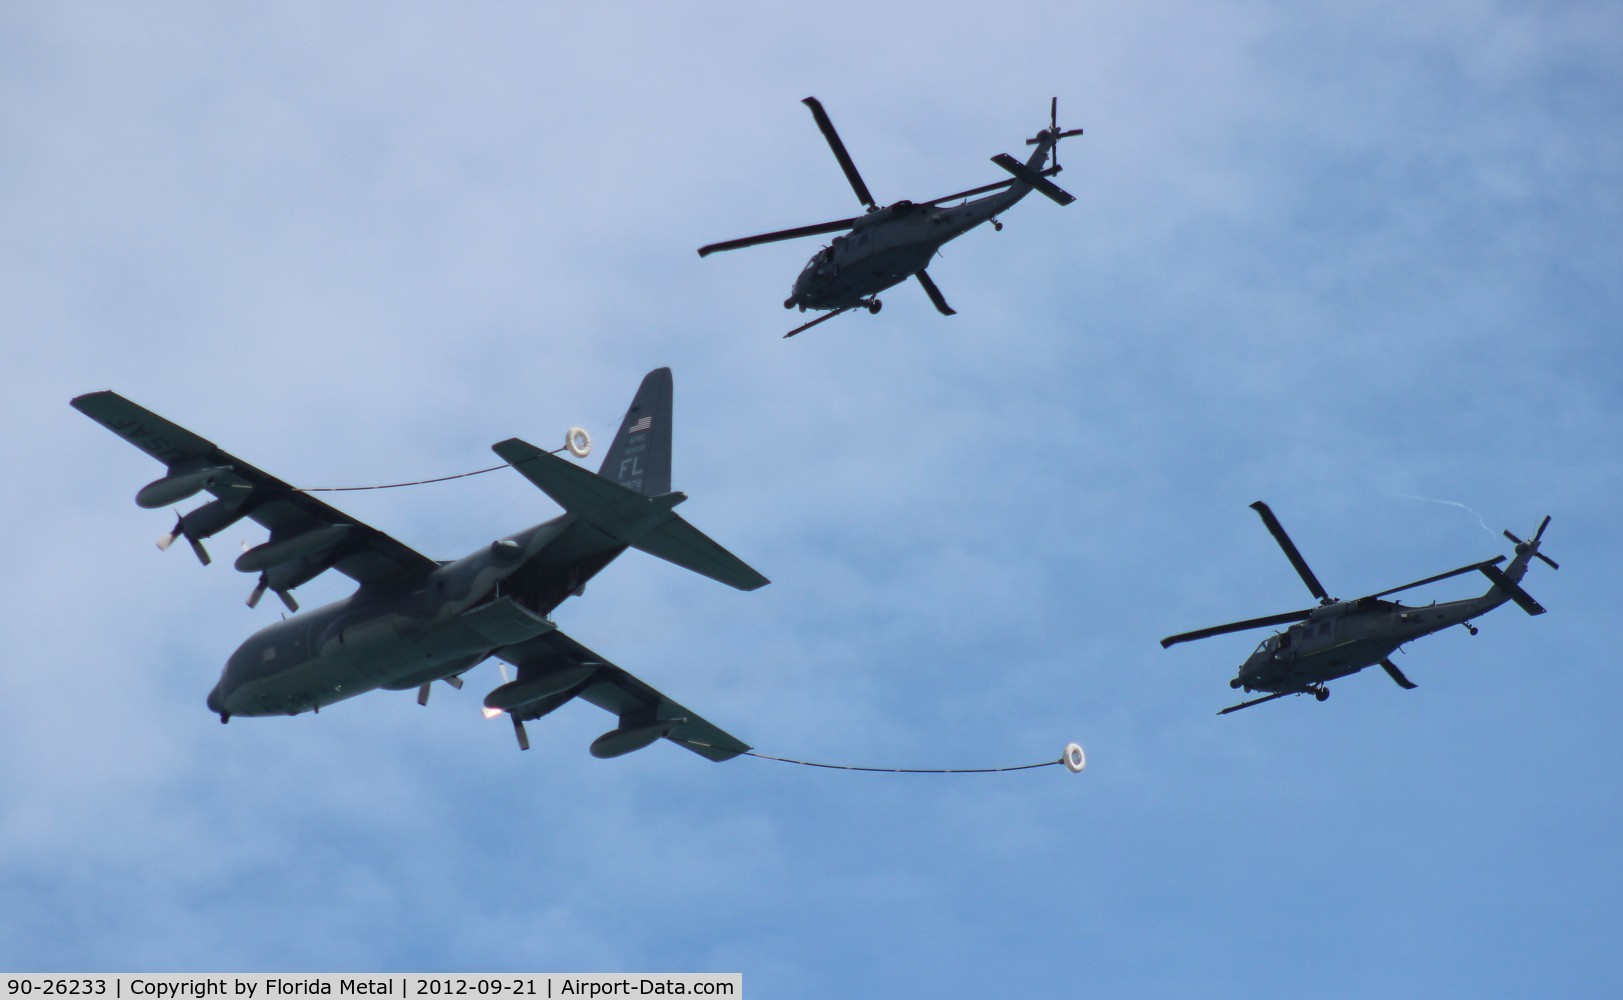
{"x":888,"y":245}
{"x":1339,"y":638}
{"x":414,"y":620}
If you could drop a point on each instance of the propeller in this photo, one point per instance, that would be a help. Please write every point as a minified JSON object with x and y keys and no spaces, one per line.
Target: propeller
{"x":1278,"y":531}
{"x":834,"y":143}
{"x":1537,"y":535}
{"x":1053,"y":132}
{"x":179,"y":531}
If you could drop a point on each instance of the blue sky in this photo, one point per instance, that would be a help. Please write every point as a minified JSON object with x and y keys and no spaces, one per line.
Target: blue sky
{"x":1334,"y":259}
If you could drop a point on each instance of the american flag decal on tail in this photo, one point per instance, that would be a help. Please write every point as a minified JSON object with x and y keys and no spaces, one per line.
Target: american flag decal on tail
{"x":640,"y":426}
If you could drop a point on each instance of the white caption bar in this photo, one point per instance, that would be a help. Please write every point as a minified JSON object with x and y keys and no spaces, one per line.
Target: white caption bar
{"x":413,"y":986}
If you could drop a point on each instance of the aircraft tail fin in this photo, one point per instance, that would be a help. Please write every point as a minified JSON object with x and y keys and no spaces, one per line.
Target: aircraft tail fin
{"x":630,"y":499}
{"x":639,"y":458}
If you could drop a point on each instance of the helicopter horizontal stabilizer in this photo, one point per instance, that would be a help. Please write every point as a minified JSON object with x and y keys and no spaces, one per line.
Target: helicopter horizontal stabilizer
{"x":1037,"y":181}
{"x":1513,"y":590}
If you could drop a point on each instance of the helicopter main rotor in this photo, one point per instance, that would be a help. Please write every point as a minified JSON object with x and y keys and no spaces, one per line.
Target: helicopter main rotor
{"x":826,"y":126}
{"x":1325,"y":600}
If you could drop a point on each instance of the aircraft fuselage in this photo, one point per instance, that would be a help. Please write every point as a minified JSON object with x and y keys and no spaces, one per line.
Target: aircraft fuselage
{"x":1341,"y":639}
{"x":887,"y":247}
{"x":407,"y":635}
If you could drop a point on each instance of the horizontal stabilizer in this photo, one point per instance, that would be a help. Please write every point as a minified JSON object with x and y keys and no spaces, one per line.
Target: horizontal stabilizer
{"x":629,"y":517}
{"x":1513,"y":590}
{"x":1038,"y":182}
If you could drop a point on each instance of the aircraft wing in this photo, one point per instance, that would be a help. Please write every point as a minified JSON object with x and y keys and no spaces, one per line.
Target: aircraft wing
{"x":307,"y":536}
{"x":612,"y":689}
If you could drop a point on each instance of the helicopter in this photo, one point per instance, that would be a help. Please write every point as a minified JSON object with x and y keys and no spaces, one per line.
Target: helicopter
{"x":1339,"y":638}
{"x":889,"y":244}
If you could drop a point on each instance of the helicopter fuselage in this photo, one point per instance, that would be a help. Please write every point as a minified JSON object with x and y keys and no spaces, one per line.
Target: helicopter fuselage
{"x":886,"y":247}
{"x":1343,"y":638}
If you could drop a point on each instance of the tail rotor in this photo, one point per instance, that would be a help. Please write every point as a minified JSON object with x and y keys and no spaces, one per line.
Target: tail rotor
{"x":1053,"y":134}
{"x":1531,"y":546}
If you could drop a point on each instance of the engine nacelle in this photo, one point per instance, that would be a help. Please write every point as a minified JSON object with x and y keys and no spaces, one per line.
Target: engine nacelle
{"x":174,"y":488}
{"x":619,"y":742}
{"x":517,"y":694}
{"x":285,"y":550}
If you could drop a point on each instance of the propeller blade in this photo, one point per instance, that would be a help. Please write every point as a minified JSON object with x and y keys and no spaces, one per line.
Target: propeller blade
{"x":1206,"y":633}
{"x":455,"y":682}
{"x":1278,"y":531}
{"x":1519,"y":543}
{"x":422,"y":694}
{"x":198,"y":550}
{"x":839,"y":225}
{"x":1496,"y":560}
{"x":802,"y":328}
{"x":1393,"y":672}
{"x":936,"y":297}
{"x":258,"y":592}
{"x":518,"y":730}
{"x":1255,"y":701}
{"x":287,"y":599}
{"x":834,"y":143}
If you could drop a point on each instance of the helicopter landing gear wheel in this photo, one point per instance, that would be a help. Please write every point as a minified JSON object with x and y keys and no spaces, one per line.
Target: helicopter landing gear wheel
{"x":874,"y":305}
{"x":1321,"y":693}
{"x":997,"y":226}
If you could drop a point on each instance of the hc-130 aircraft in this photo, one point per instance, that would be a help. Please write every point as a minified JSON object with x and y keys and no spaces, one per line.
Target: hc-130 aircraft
{"x":890,"y":244}
{"x":414,"y":620}
{"x":1339,"y":638}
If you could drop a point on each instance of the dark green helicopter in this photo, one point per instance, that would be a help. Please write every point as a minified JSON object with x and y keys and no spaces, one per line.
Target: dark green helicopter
{"x":1339,"y":638}
{"x":892,"y":243}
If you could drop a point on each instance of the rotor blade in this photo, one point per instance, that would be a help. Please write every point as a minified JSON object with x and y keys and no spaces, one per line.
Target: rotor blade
{"x":1206,"y":633}
{"x":1278,"y":531}
{"x":1496,"y":560}
{"x":1255,"y":701}
{"x":1393,"y":672}
{"x":802,"y":328}
{"x":931,"y":290}
{"x":834,"y":143}
{"x":839,"y":225}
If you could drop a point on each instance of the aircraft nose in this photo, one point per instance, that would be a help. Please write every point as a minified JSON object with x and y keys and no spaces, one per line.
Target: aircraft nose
{"x":216,"y":703}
